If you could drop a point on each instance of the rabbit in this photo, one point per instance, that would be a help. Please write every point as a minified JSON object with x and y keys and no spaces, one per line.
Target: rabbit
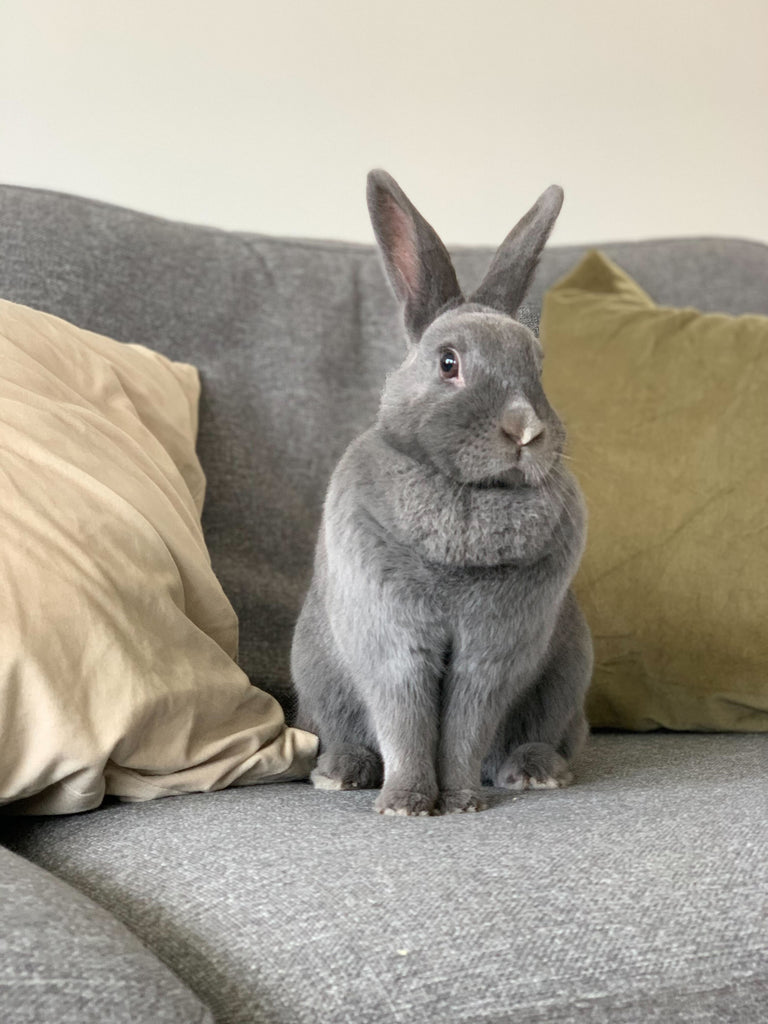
{"x":440,"y":645}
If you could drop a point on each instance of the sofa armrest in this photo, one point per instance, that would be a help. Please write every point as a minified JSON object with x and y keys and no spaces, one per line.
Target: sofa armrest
{"x":64,"y":960}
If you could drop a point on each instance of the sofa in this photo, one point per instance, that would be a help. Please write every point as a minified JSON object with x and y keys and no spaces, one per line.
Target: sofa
{"x":638,"y":895}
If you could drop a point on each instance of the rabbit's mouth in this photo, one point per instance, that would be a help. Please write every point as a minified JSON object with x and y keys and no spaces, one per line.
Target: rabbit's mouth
{"x":520,"y":468}
{"x":505,"y":479}
{"x":513,"y":478}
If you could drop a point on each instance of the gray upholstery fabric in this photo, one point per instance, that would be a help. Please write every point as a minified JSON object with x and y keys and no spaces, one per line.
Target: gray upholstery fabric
{"x":722,"y":275}
{"x":639,"y":895}
{"x":64,"y":960}
{"x":293,"y":340}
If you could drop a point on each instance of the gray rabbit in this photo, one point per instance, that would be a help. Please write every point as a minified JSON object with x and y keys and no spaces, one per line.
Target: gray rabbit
{"x":439,"y":645}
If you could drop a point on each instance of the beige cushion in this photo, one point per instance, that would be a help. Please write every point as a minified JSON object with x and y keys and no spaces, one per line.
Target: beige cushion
{"x":116,"y":659}
{"x":667,"y":413}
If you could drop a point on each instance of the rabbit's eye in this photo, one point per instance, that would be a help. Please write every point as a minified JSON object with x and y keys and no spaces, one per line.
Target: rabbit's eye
{"x":449,"y":364}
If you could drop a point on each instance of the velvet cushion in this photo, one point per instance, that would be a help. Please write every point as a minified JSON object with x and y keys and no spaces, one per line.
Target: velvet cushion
{"x":667,"y":417}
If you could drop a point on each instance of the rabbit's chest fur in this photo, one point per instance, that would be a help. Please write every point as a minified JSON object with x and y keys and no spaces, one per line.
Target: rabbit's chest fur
{"x":415,"y":510}
{"x":402,"y":543}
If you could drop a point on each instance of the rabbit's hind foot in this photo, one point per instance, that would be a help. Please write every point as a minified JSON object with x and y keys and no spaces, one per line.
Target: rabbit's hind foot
{"x":348,"y":767}
{"x":460,"y":801}
{"x":534,"y":766}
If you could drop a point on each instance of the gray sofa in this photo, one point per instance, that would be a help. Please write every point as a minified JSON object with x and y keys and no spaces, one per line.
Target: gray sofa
{"x":638,"y":895}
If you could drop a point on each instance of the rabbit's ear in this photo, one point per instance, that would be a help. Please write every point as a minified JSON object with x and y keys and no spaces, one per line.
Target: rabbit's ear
{"x":417,"y":262}
{"x":510,"y":273}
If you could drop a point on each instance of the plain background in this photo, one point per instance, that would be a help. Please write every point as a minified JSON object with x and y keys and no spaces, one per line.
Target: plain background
{"x":265,"y":116}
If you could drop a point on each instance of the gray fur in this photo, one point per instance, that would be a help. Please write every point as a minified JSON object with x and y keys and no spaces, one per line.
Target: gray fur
{"x":439,"y":634}
{"x":417,"y":263}
{"x":511,"y":271}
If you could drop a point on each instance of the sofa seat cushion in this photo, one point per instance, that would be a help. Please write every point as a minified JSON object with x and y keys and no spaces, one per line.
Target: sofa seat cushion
{"x":635,"y":896}
{"x":65,"y":960}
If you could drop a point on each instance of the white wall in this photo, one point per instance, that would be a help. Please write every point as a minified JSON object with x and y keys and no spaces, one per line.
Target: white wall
{"x":265,"y":115}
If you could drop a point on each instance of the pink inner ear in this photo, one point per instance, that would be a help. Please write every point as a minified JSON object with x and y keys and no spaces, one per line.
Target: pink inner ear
{"x":401,"y":238}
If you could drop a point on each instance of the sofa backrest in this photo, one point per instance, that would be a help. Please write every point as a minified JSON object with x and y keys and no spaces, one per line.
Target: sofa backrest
{"x":292,"y":339}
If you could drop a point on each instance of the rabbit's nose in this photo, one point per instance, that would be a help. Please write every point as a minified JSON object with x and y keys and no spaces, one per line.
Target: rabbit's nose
{"x":521,"y":424}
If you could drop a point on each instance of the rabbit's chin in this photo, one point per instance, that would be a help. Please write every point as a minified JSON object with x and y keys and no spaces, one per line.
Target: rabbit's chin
{"x":521,"y":474}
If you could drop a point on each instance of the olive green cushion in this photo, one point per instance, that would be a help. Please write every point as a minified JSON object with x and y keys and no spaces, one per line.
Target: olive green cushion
{"x":667,"y":413}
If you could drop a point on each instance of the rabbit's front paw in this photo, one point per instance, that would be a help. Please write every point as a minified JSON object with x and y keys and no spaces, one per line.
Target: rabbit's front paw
{"x":404,"y":801}
{"x":534,"y":766}
{"x":460,"y":801}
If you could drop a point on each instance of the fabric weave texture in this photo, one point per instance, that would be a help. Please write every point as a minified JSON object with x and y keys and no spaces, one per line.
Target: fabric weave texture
{"x":639,"y":894}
